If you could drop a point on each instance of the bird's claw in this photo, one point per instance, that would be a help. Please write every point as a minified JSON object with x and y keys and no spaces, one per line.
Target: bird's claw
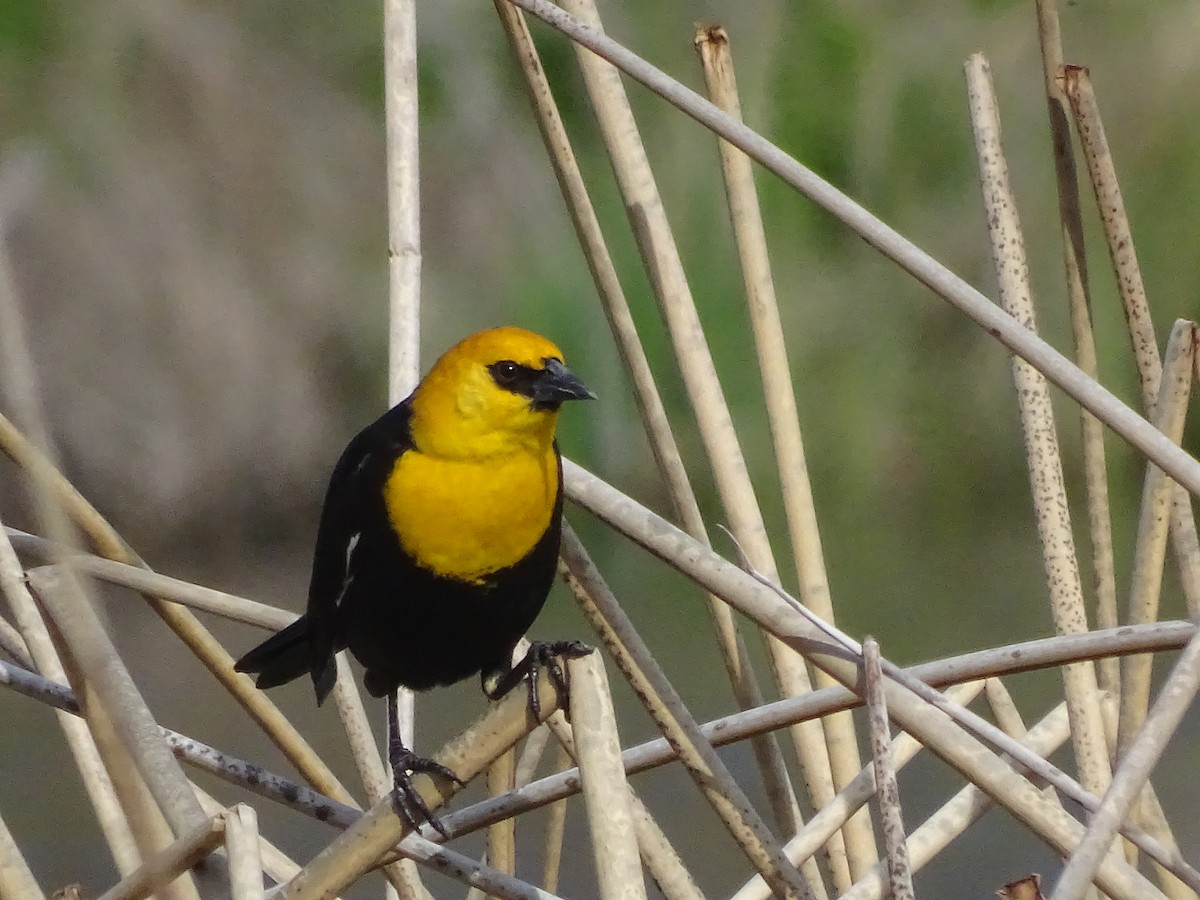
{"x":547,"y":655}
{"x":405,"y":797}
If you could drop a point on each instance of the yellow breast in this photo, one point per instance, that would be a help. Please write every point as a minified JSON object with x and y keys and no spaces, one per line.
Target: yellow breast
{"x":468,"y":518}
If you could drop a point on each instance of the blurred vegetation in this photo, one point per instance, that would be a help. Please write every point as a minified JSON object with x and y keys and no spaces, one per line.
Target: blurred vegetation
{"x":200,"y":245}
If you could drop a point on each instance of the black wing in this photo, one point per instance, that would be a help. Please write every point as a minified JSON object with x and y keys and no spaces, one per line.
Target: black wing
{"x":352,"y":502}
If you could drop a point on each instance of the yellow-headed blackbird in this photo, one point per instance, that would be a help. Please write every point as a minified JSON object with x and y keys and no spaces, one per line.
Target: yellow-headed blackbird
{"x":439,"y":537}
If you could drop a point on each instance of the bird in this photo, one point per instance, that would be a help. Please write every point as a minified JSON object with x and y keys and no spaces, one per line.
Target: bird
{"x":438,"y":541}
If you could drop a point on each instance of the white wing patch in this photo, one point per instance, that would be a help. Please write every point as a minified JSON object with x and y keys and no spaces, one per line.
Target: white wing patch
{"x":349,"y":577}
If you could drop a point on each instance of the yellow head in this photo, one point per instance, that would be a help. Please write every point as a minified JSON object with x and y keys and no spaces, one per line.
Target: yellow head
{"x":495,"y":393}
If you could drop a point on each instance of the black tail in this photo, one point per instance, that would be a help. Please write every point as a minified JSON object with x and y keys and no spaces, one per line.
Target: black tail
{"x":284,"y":657}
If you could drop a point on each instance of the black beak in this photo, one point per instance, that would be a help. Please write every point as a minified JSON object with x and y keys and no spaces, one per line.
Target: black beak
{"x":556,"y":384}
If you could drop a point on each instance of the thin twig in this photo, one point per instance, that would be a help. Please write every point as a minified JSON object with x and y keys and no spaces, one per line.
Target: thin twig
{"x":1079,"y":303}
{"x":1170,"y":411}
{"x":888,"y":791}
{"x":1038,"y":425}
{"x":1118,"y":234}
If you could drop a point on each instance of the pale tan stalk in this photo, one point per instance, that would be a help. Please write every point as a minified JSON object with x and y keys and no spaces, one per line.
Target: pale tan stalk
{"x":401,"y":116}
{"x":195,"y":845}
{"x":1170,"y":410}
{"x":275,"y":864}
{"x":245,"y":861}
{"x":11,"y":641}
{"x":750,"y":236}
{"x":1041,"y":440}
{"x":555,"y":830}
{"x":1079,"y":303}
{"x":899,"y":873}
{"x":668,"y":711}
{"x":1123,"y":253}
{"x":502,"y":836}
{"x":664,"y":269}
{"x":657,"y":426}
{"x":1004,"y":710}
{"x":16,"y":878}
{"x":960,"y":812}
{"x":605,"y":791}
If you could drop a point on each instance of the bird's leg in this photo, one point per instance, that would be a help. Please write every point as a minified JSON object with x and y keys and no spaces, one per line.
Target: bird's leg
{"x":407,"y":799}
{"x":541,"y":655}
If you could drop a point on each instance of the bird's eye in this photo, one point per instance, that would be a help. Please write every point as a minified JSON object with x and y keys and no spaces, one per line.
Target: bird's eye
{"x":506,"y":371}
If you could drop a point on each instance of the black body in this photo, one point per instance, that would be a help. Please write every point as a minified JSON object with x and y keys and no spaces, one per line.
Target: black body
{"x":406,"y":625}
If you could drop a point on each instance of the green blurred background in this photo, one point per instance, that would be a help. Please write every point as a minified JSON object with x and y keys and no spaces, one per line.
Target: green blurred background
{"x":192,"y":195}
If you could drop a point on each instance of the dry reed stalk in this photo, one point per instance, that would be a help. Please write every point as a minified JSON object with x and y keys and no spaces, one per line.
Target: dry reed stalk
{"x":923,"y":716}
{"x":531,"y":756}
{"x":1004,"y":710}
{"x":401,"y":116}
{"x":1154,"y":519}
{"x":194,"y":846}
{"x":145,"y":581}
{"x":1123,"y":253}
{"x":16,"y":878}
{"x":887,"y":790}
{"x":379,"y":829}
{"x":36,"y":641}
{"x":1037,"y":421}
{"x":11,"y":641}
{"x":668,"y":282}
{"x":1079,"y":304}
{"x":1000,"y":325}
{"x":555,"y":830}
{"x":669,"y":713}
{"x":961,"y":811}
{"x":275,"y":864}
{"x":1132,"y":773}
{"x":502,"y":836}
{"x":180,"y":620}
{"x":605,"y":792}
{"x":245,"y":861}
{"x":858,"y":792}
{"x":800,"y":510}
{"x":657,"y":426}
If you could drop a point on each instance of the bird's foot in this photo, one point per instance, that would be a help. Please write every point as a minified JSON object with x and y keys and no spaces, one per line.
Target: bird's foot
{"x":542,"y":655}
{"x":405,"y":797}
